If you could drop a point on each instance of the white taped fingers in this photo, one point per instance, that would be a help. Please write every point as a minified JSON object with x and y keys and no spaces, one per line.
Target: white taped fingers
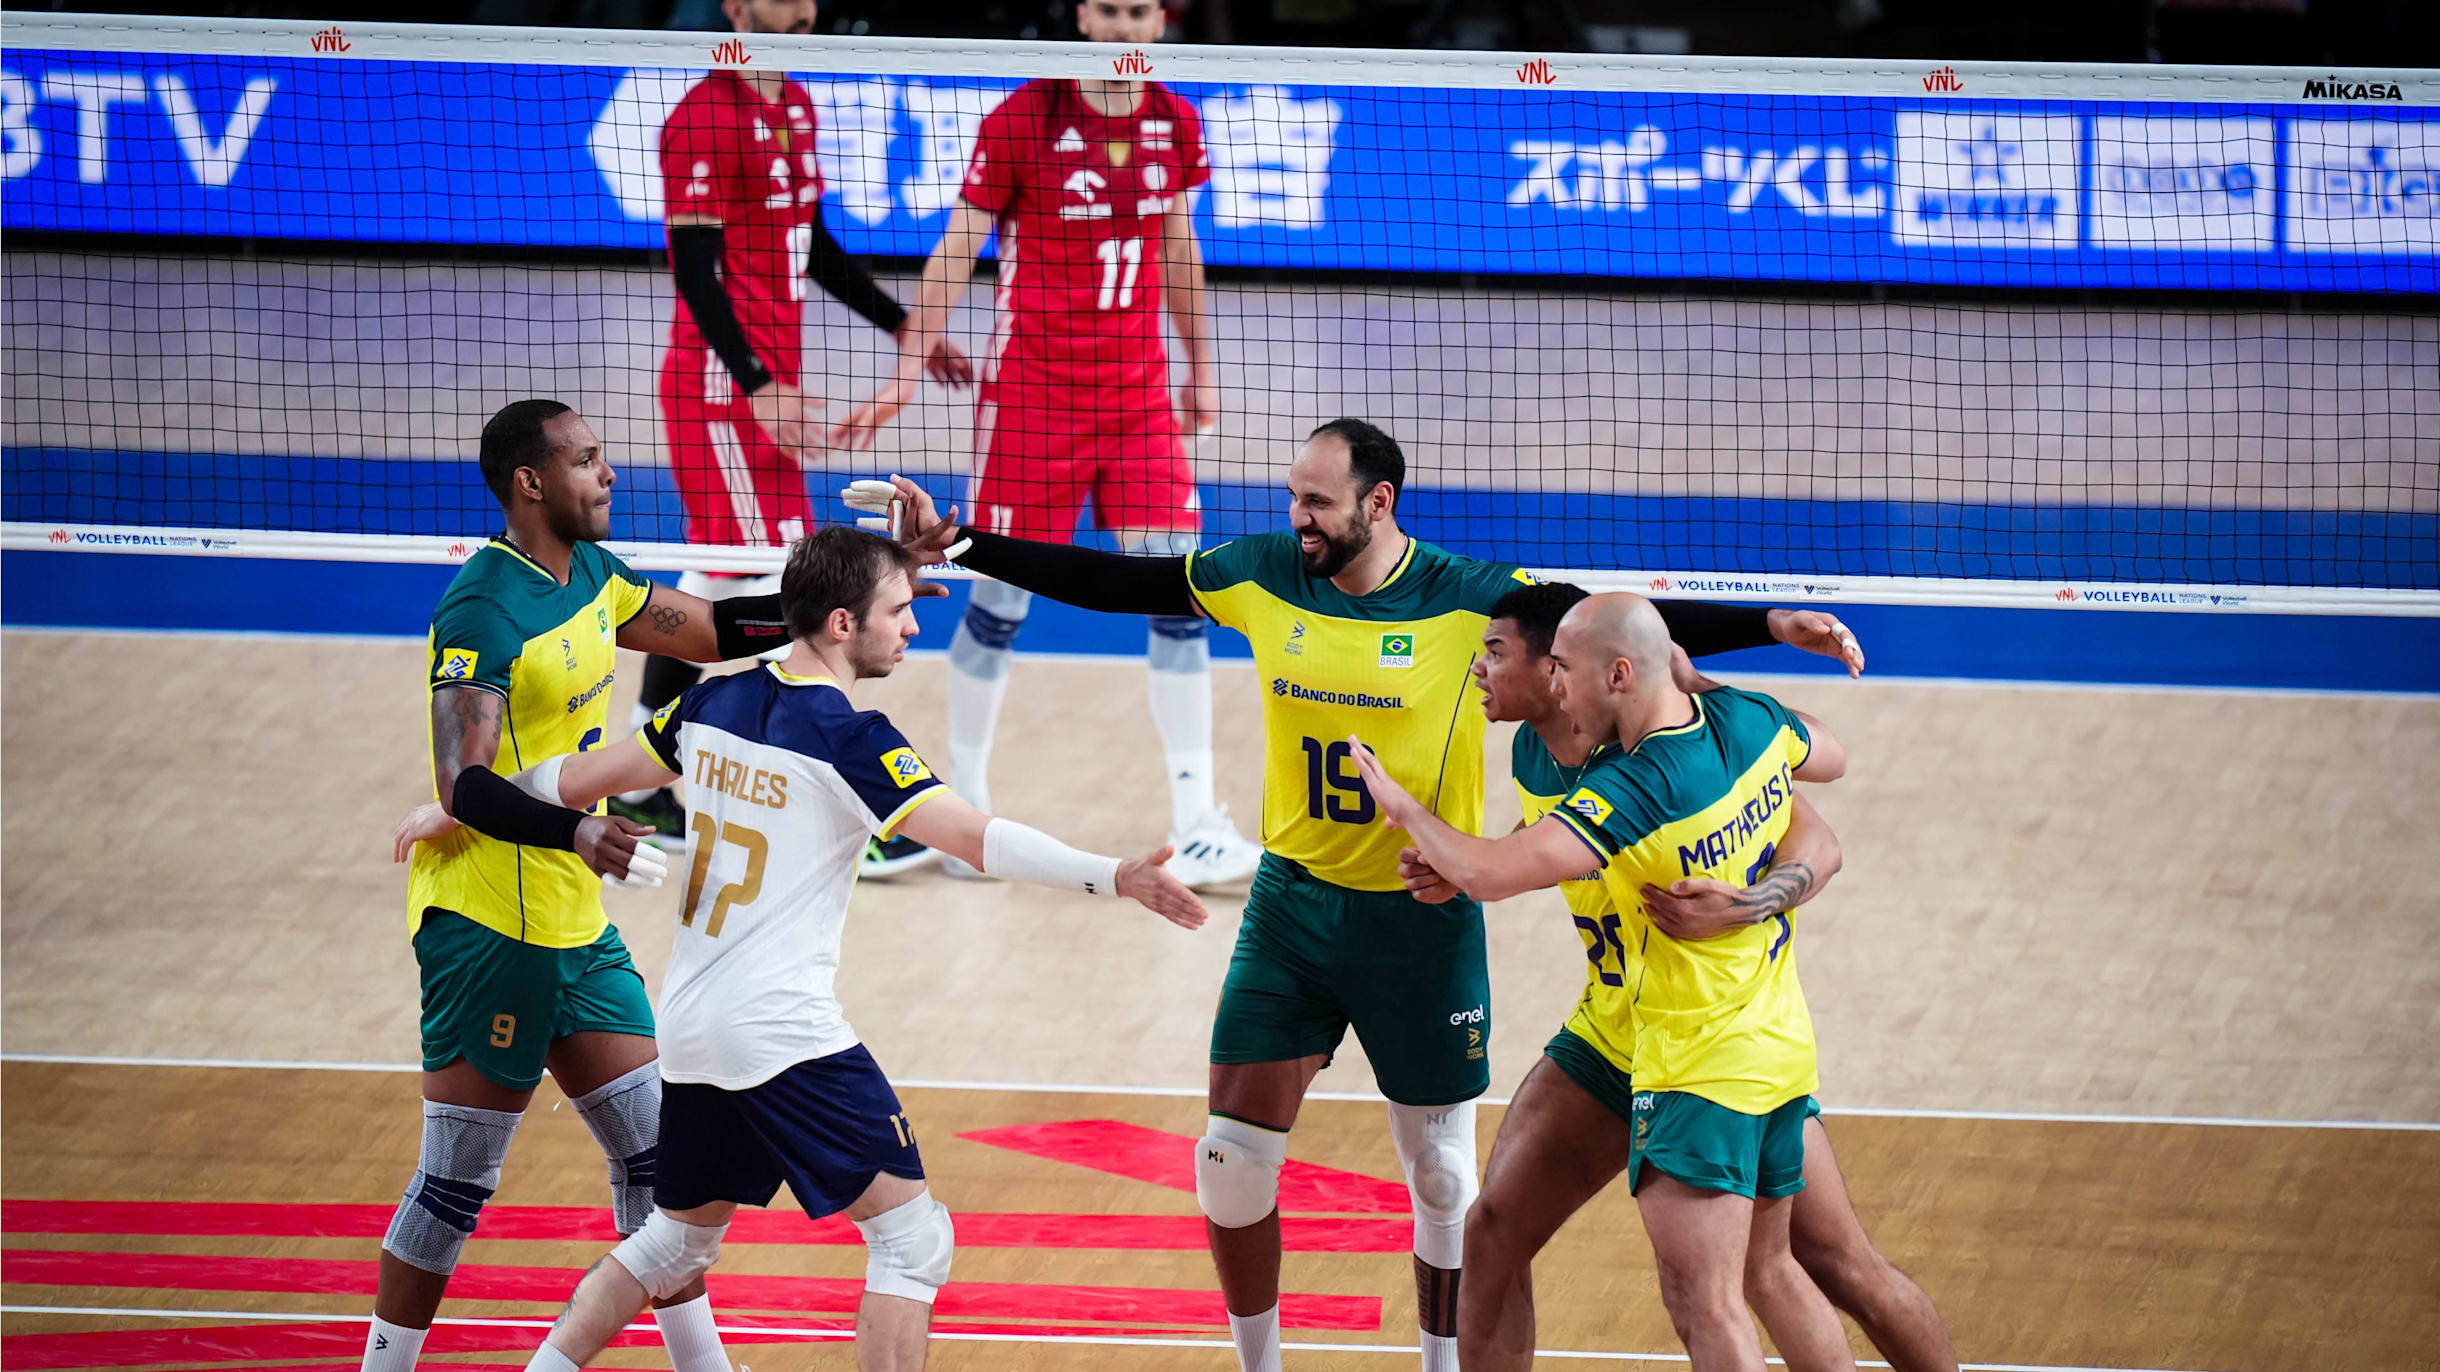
{"x":908,"y":1248}
{"x":1237,"y":1171}
{"x":624,"y":1117}
{"x":457,"y":1167}
{"x":666,"y":1254}
{"x":1436,"y":1147}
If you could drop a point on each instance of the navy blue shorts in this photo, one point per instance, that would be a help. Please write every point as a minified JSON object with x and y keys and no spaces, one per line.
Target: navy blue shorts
{"x":825,"y":1127}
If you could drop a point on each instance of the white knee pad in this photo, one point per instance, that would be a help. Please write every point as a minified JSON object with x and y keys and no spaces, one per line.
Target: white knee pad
{"x":666,"y":1254}
{"x":1436,"y":1147}
{"x":1237,"y":1171}
{"x":908,"y":1248}
{"x":456,"y":1168}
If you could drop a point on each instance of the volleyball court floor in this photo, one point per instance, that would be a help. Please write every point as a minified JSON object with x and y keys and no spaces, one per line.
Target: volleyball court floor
{"x":2126,"y":1001}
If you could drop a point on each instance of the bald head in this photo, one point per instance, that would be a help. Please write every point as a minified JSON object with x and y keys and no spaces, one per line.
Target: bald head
{"x":1610,"y":654}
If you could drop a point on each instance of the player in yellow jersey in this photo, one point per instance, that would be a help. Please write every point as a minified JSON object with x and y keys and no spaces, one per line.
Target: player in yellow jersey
{"x":1355,"y":627}
{"x":521,"y":970}
{"x":1567,"y":1132}
{"x":1684,"y":786}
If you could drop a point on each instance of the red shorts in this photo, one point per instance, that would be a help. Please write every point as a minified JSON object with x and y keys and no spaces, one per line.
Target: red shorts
{"x":737,"y":487}
{"x":1042,"y":449}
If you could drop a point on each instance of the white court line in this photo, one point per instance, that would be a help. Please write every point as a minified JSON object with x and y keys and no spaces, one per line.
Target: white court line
{"x":1361,"y":1097}
{"x":1137,"y":660}
{"x":1117,"y":1340}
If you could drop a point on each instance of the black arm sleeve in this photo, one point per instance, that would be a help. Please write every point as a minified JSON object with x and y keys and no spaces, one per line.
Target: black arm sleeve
{"x":1702,"y":628}
{"x":748,"y":625}
{"x":1087,"y":578}
{"x":491,"y":805}
{"x":845,"y":278}
{"x":694,"y":259}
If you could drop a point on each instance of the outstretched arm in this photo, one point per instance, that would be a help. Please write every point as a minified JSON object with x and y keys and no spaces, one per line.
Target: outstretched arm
{"x":1807,"y":856}
{"x":465,"y":743}
{"x":1527,"y":859}
{"x":1005,"y":848}
{"x":1083,"y":577}
{"x":923,"y":341}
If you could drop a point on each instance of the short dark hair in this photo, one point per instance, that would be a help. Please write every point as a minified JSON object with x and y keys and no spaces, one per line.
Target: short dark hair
{"x":1372,"y":456}
{"x":1537,"y":610}
{"x":836,"y":569}
{"x":514,"y":439}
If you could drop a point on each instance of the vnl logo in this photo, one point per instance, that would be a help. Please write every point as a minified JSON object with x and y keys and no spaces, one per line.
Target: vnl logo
{"x":732,"y":53}
{"x":1132,"y":63}
{"x":1537,"y":73}
{"x":331,"y":40}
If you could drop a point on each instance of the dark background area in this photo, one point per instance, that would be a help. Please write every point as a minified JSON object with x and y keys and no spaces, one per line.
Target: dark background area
{"x":2369,"y":33}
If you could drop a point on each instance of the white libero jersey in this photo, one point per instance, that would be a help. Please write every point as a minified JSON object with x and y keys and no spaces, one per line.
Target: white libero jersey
{"x":785,"y":780}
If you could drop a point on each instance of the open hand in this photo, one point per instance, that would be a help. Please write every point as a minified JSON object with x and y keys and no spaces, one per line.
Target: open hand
{"x":1422,"y":882}
{"x":785,"y":417}
{"x":1148,"y":882}
{"x":1817,"y":631}
{"x":949,"y":365}
{"x":607,"y":844}
{"x":857,"y":432}
{"x":424,"y":823}
{"x":1396,"y":806}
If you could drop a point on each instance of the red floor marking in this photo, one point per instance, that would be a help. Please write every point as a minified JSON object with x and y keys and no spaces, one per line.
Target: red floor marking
{"x":1131,"y":1150}
{"x":572,"y":1223}
{"x":959,"y":1300}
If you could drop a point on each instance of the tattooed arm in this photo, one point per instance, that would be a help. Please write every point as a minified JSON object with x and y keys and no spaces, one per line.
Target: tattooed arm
{"x":675,"y":624}
{"x":465,"y":733}
{"x":1805,"y":860}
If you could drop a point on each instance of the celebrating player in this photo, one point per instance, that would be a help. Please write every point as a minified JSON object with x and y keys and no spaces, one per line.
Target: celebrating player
{"x":521,"y":970}
{"x":742,"y":191}
{"x":1682,"y":786}
{"x":1568,"y":1131}
{"x":1356,"y":627}
{"x":767,"y":1083}
{"x":1088,"y":183}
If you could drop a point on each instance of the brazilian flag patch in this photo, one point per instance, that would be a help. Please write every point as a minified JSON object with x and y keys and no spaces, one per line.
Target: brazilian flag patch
{"x":1397,"y":650}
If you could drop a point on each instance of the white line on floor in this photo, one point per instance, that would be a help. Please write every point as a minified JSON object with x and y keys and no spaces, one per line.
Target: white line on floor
{"x":1197,"y":1092}
{"x":1123,"y":1341}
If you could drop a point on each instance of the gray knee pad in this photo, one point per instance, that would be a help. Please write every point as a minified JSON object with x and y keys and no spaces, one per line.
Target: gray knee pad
{"x":1436,"y":1148}
{"x":908,"y":1249}
{"x":1237,"y":1171}
{"x":985,"y":638}
{"x":1161,"y":543}
{"x":625,"y":1119}
{"x":457,"y":1168}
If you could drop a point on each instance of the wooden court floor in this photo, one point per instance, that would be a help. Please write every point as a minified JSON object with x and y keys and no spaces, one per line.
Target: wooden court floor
{"x":2062,"y":908}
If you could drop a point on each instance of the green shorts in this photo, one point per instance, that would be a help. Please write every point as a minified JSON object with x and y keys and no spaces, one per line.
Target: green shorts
{"x":1600,"y":1077}
{"x":1713,"y":1148}
{"x":501,"y":1004}
{"x":1313,"y":958}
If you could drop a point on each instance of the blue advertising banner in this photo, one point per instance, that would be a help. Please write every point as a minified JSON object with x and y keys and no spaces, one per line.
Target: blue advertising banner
{"x":2340,"y":195}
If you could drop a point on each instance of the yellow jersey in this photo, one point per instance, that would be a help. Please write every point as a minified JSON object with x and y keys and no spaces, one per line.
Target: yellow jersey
{"x":1723,"y":1018}
{"x":1605,"y":1014}
{"x":507,"y":626}
{"x":1389,"y":668}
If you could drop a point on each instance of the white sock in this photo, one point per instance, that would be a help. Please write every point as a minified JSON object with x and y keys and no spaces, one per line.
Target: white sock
{"x":549,"y":1359}
{"x":974,"y":715}
{"x":693,"y":1340}
{"x":392,"y":1347}
{"x":1182,"y":711}
{"x":1257,"y":1340}
{"x":1439,"y":1353}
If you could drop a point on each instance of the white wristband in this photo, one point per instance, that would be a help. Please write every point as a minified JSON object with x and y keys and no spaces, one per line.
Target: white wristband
{"x":541,"y":781}
{"x":1020,"y":853}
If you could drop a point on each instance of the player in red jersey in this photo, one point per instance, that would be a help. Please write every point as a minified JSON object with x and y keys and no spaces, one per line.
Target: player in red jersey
{"x":1088,"y":184}
{"x":742,"y":190}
